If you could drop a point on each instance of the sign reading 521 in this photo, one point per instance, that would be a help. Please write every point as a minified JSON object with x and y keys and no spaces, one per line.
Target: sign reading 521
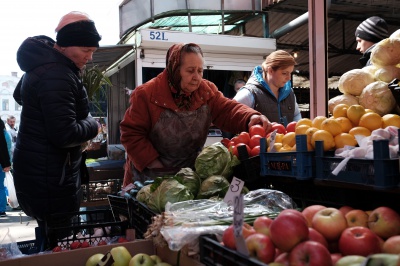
{"x":158,"y":36}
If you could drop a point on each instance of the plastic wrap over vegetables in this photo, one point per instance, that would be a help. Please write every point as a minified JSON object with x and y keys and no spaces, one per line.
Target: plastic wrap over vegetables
{"x":167,"y":190}
{"x":185,"y":221}
{"x":215,"y":159}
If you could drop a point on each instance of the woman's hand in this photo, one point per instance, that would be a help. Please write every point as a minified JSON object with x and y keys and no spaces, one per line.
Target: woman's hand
{"x":155,"y":164}
{"x":7,"y":169}
{"x":260,"y":119}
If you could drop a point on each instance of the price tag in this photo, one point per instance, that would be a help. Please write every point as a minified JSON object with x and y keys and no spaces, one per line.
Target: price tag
{"x":238,"y":225}
{"x":272,"y":138}
{"x":235,"y":188}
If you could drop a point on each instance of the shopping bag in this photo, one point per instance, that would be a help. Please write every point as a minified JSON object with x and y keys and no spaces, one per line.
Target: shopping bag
{"x":12,"y":195}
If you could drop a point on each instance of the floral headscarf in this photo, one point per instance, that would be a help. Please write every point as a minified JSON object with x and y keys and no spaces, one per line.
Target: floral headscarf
{"x":173,"y":63}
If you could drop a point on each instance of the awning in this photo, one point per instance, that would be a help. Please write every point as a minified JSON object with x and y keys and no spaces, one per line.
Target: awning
{"x":106,"y":56}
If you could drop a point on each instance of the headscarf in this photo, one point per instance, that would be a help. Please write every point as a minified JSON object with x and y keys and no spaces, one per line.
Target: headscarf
{"x":173,"y":63}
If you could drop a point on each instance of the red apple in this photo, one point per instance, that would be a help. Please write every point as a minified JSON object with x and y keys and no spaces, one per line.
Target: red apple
{"x":356,"y":217}
{"x":385,"y":222}
{"x":330,"y":222}
{"x":309,"y":212}
{"x":283,"y":258}
{"x":261,"y":225}
{"x":316,"y":236}
{"x":294,"y":211}
{"x":335,"y":257}
{"x":392,"y":245}
{"x":261,"y":247}
{"x":345,"y":209}
{"x":287,"y":230}
{"x":228,"y":236}
{"x":310,"y":253}
{"x":359,"y":240}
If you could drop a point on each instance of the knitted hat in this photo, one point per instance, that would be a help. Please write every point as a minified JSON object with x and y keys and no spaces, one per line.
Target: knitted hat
{"x":373,"y":29}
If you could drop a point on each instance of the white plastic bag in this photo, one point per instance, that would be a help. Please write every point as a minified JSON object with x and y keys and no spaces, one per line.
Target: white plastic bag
{"x":12,"y":195}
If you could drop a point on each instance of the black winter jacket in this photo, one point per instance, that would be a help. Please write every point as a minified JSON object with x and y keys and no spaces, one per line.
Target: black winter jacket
{"x":55,"y":121}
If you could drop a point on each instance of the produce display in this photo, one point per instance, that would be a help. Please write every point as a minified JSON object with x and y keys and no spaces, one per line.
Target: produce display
{"x":320,"y":235}
{"x":369,"y":86}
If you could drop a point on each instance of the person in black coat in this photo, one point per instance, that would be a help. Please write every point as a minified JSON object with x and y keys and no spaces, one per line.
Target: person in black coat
{"x":55,"y":119}
{"x":5,"y":165}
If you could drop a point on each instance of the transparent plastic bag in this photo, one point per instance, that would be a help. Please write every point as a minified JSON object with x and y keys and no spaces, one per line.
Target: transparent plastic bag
{"x":12,"y":195}
{"x":8,"y":247}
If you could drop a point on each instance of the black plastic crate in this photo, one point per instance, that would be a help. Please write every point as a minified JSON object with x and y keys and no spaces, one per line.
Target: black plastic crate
{"x":212,"y":253}
{"x":120,"y":208}
{"x":82,"y":227}
{"x":141,"y":217}
{"x":28,"y":247}
{"x":100,"y":189}
{"x":249,"y":170}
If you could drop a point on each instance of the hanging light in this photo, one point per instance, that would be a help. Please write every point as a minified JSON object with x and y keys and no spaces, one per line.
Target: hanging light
{"x":295,"y":54}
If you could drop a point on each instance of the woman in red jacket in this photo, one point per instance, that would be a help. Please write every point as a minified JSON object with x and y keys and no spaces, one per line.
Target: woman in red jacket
{"x":167,"y":122}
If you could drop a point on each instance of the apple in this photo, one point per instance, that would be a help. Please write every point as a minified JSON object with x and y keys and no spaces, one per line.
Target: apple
{"x":345,"y":209}
{"x":350,"y":260}
{"x":383,"y":259}
{"x":94,"y":259}
{"x":294,"y":211}
{"x":309,"y":212}
{"x":156,"y":259}
{"x":330,"y":222}
{"x":228,"y":236}
{"x":316,"y":236}
{"x":282,"y":258}
{"x":392,"y":245}
{"x":385,"y":222}
{"x":141,"y":259}
{"x":261,"y":247}
{"x":120,"y":255}
{"x":287,"y":230}
{"x":310,"y":253}
{"x":335,"y":257}
{"x":261,"y":225}
{"x":356,"y":217}
{"x":162,"y":264}
{"x":359,"y":240}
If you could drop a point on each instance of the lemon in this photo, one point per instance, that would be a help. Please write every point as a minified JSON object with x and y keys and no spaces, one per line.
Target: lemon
{"x":370,"y":121}
{"x":329,"y":141}
{"x":332,"y":126}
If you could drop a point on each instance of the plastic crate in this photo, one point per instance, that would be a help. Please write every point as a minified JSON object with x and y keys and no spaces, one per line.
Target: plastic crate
{"x":249,"y":170}
{"x":120,"y":208}
{"x":82,"y":226}
{"x":212,"y":253}
{"x":141,"y":217}
{"x":28,"y":247}
{"x":299,"y":164}
{"x":381,"y":172}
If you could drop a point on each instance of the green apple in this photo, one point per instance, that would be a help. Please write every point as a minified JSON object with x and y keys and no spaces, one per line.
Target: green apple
{"x":350,"y":260}
{"x":382,"y":259}
{"x":121,"y":256}
{"x":94,"y":259}
{"x":163,"y":264}
{"x":141,"y":259}
{"x":156,"y":259}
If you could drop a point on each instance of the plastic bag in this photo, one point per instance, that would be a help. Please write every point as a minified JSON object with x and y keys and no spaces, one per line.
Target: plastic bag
{"x":12,"y":195}
{"x":8,"y":247}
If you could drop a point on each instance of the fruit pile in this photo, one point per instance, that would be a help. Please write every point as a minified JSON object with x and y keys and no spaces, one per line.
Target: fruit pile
{"x":320,"y":235}
{"x":336,"y":131}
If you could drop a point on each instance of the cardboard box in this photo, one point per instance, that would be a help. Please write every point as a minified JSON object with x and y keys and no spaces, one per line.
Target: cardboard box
{"x":79,"y":256}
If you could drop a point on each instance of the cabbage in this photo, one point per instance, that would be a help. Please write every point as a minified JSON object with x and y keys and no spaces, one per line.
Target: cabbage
{"x":190,"y":179}
{"x":386,"y":52}
{"x":354,"y":81}
{"x":378,"y":97}
{"x":169,"y":190}
{"x":213,"y":186}
{"x":143,"y":194}
{"x":215,"y":159}
{"x":344,"y":98}
{"x":395,"y":35}
{"x":387,"y":73}
{"x":371,"y":69}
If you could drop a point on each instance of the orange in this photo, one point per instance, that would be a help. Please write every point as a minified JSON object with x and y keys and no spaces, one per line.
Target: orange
{"x":360,"y":131}
{"x":301,"y":130}
{"x":332,"y":126}
{"x":289,"y":139}
{"x":345,"y":124}
{"x":316,"y":122}
{"x":304,"y":121}
{"x":371,"y":121}
{"x":391,"y":120}
{"x":309,"y":132}
{"x":354,"y":113}
{"x":329,"y":141}
{"x":340,"y":110}
{"x":345,"y":139}
{"x":369,"y":110}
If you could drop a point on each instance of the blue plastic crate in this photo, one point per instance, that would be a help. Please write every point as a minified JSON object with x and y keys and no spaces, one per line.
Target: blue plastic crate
{"x":382,"y":172}
{"x":298,"y":164}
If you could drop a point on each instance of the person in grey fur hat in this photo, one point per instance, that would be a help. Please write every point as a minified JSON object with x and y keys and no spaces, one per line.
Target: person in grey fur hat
{"x":368,"y":33}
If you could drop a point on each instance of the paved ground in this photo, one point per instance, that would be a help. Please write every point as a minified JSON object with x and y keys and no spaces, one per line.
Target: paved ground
{"x":21,"y":226}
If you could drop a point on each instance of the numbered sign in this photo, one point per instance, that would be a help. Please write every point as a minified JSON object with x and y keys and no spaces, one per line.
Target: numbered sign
{"x":238,"y":224}
{"x":235,"y":188}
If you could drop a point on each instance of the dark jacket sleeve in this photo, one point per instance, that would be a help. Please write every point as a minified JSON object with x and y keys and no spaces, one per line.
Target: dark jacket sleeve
{"x":4,"y":155}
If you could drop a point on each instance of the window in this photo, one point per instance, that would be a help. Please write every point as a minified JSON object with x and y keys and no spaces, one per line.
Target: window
{"x":18,"y":107}
{"x":5,"y":105}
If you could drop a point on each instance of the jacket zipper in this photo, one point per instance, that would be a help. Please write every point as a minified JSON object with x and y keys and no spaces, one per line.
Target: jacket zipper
{"x":67,"y":161}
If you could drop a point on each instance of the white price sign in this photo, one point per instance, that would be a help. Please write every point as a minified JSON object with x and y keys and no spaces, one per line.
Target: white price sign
{"x":235,"y":188}
{"x":238,"y":225}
